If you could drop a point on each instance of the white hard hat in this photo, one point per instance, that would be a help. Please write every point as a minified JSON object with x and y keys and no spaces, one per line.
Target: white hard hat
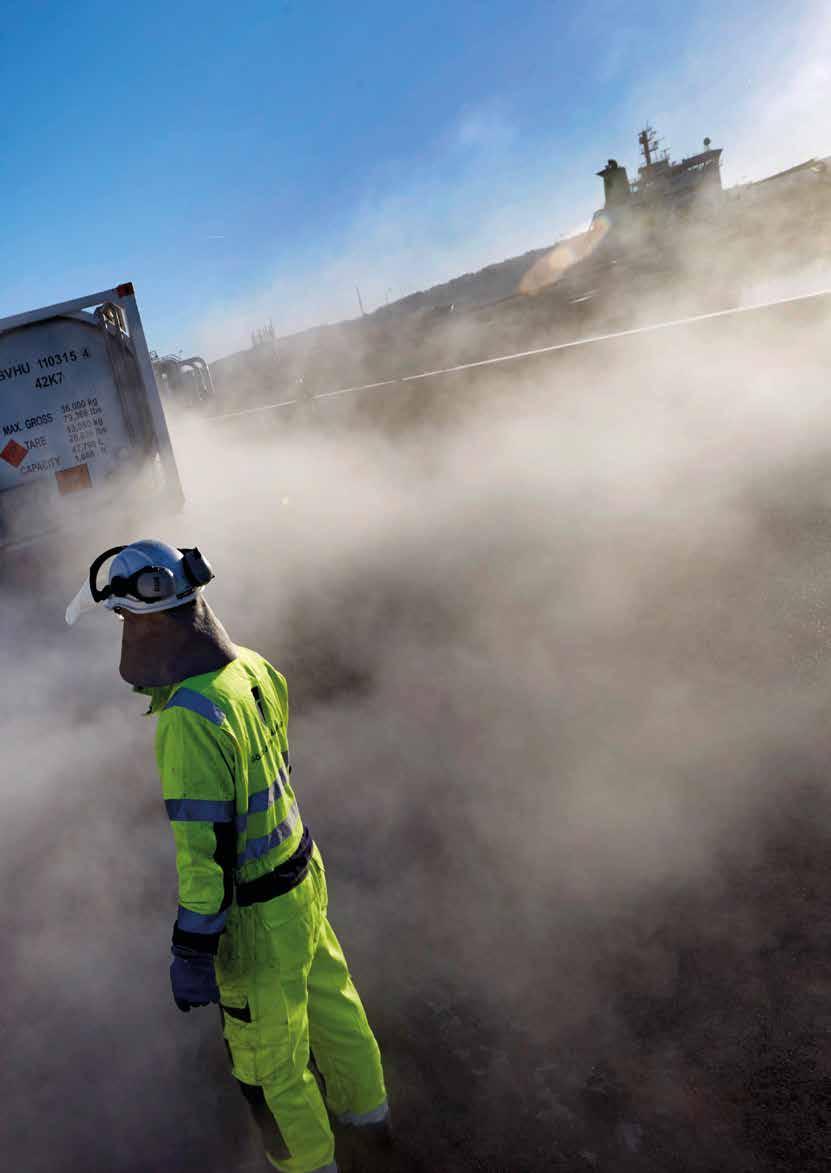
{"x":144,"y":577}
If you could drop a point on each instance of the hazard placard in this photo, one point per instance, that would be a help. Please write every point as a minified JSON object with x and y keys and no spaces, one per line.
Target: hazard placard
{"x":14,"y":453}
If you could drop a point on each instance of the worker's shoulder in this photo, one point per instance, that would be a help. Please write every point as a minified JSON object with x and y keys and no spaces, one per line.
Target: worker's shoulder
{"x":258,"y":667}
{"x":215,"y":697}
{"x":188,"y":704}
{"x":208,"y":697}
{"x":216,"y":693}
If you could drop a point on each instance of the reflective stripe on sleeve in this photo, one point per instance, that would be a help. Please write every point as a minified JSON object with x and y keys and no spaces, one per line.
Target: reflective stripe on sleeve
{"x":186,"y":698}
{"x":200,"y":922}
{"x":199,"y":810}
{"x":254,"y":848}
{"x":261,"y":801}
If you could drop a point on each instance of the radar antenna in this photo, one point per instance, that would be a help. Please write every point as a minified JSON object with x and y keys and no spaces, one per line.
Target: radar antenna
{"x":650,"y":144}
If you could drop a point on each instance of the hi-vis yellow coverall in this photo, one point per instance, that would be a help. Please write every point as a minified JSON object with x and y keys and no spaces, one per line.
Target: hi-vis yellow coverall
{"x":284,"y":985}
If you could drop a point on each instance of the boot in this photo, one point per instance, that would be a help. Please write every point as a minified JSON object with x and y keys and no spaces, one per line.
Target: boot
{"x":367,"y":1148}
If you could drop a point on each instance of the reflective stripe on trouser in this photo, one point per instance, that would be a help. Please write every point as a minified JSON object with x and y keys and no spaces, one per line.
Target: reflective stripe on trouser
{"x":281,"y":969}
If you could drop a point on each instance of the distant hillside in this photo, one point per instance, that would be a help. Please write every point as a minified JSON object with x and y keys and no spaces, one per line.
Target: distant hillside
{"x":489,"y":284}
{"x":246,"y":369}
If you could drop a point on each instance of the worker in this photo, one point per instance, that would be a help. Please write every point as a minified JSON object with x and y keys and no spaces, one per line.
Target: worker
{"x":251,"y":932}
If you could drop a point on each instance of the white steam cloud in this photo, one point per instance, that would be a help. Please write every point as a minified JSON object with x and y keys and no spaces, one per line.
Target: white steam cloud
{"x":557,"y":645}
{"x":558,"y":661}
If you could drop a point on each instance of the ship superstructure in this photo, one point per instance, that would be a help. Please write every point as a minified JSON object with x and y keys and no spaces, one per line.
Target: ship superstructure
{"x":660,"y":180}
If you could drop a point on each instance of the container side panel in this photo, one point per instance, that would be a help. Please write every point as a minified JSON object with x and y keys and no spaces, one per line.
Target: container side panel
{"x":59,"y":403}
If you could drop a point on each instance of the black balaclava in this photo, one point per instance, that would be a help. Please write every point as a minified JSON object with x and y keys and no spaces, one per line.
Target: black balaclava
{"x":164,"y":647}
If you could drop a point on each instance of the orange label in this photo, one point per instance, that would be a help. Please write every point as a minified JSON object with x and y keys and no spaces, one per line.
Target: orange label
{"x":72,"y":480}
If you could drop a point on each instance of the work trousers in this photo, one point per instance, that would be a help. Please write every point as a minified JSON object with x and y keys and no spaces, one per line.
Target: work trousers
{"x":286,"y":993}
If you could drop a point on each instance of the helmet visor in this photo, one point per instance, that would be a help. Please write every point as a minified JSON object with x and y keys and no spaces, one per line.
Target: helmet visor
{"x":82,"y":602}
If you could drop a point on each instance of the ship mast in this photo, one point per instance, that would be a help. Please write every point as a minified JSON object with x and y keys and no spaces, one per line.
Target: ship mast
{"x":649,"y":143}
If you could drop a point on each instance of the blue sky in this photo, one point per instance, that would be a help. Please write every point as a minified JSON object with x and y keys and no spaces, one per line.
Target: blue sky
{"x":256,"y":160}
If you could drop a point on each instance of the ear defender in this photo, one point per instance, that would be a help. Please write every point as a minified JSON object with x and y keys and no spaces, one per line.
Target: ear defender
{"x":197,"y":568}
{"x":151,"y":584}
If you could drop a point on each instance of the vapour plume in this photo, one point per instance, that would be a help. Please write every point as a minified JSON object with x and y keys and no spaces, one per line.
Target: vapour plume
{"x":557,"y":656}
{"x":557,"y":647}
